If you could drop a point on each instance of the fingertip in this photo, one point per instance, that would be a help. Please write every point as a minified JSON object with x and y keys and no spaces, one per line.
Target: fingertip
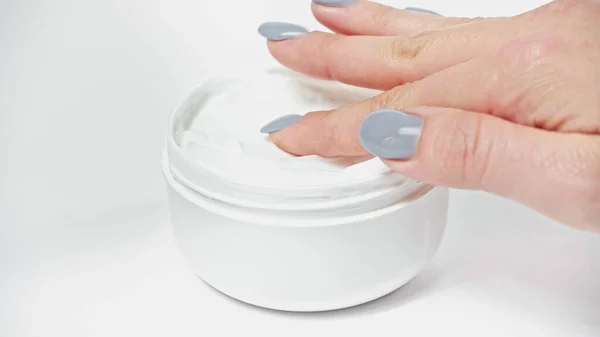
{"x":278,"y":136}
{"x":422,"y":10}
{"x":280,"y":123}
{"x":288,"y":53}
{"x":340,"y":4}
{"x":310,"y":135}
{"x":277,"y":47}
{"x":278,"y":139}
{"x":283,"y":133}
{"x":337,"y":18}
{"x":320,"y":9}
{"x":411,"y":168}
{"x":288,"y":141}
{"x":324,"y":14}
{"x":302,"y":54}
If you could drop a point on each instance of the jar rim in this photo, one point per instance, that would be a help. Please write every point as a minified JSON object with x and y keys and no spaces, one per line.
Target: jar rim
{"x":201,"y":178}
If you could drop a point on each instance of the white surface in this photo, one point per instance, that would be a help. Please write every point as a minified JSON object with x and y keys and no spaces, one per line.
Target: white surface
{"x":85,"y":248}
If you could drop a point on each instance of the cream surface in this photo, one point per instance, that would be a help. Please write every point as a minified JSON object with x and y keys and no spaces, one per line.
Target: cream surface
{"x":224,"y":134}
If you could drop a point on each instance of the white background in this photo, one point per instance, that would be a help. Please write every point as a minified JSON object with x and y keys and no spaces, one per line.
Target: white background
{"x":85,"y":245}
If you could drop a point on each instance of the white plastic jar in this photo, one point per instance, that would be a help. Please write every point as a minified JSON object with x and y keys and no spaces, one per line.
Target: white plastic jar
{"x":293,"y":244}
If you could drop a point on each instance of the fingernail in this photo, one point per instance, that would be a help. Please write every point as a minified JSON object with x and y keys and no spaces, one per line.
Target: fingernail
{"x":335,"y":3}
{"x":390,"y":134}
{"x":277,"y":31}
{"x":416,"y":9}
{"x":280,"y":123}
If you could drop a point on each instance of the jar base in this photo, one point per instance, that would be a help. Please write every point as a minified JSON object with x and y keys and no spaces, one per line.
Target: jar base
{"x":282,"y":306}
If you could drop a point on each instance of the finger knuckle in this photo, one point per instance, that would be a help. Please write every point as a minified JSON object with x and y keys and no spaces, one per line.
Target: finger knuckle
{"x":335,"y":139}
{"x":404,"y":55}
{"x":397,"y":98}
{"x":324,"y":144}
{"x":527,"y":52}
{"x":476,"y":19}
{"x":405,"y":49}
{"x":409,"y":55}
{"x":466,"y":153}
{"x":336,"y":135}
{"x":331,"y":51}
{"x":385,"y":100}
{"x":529,"y":75}
{"x":385,"y":16}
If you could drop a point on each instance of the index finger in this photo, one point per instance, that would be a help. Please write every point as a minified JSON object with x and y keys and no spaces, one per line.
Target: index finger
{"x":470,"y":86}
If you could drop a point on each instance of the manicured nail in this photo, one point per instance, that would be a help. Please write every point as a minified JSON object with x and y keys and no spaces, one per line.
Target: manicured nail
{"x":390,"y":134}
{"x":415,"y":9}
{"x":278,"y":31}
{"x":280,"y":123}
{"x":335,"y":3}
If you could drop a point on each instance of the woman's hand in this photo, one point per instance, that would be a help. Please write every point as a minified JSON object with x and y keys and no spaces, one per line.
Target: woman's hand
{"x":506,"y":105}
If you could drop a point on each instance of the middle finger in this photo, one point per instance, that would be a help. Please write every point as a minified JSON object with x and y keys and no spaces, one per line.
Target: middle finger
{"x":371,"y":18}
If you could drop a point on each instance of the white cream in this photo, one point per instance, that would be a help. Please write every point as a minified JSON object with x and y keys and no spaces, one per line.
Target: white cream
{"x":224,"y":135}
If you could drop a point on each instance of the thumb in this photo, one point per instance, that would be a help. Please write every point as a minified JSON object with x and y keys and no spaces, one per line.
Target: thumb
{"x":450,"y":147}
{"x":468,"y":150}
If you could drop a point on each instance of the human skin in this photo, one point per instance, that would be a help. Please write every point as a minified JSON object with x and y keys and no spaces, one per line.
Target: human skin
{"x":508,"y":105}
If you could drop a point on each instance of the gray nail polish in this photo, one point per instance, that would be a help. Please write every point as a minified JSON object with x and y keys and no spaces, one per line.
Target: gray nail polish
{"x":277,"y":31}
{"x":335,"y":3}
{"x":416,"y":9}
{"x":390,"y":134}
{"x":280,"y":123}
